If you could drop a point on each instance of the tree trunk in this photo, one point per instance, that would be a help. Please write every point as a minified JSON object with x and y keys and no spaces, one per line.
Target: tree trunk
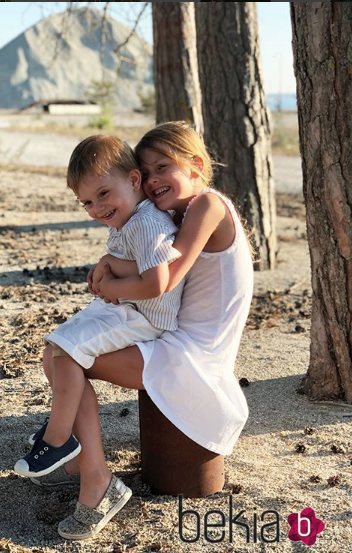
{"x":175,"y":63}
{"x":323,"y":65}
{"x":236,"y":125}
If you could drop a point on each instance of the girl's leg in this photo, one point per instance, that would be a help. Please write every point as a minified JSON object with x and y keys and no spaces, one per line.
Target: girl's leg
{"x":123,"y":368}
{"x":94,"y":473}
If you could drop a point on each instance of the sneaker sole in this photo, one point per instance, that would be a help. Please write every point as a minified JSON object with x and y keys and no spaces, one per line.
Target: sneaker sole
{"x":102,"y":523}
{"x":40,"y":484}
{"x":50,"y":469}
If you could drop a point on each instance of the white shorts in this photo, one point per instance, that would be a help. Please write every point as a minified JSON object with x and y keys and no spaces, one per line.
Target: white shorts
{"x":101,"y":328}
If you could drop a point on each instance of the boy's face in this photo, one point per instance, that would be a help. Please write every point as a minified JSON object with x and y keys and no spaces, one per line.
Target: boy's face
{"x":112,"y":198}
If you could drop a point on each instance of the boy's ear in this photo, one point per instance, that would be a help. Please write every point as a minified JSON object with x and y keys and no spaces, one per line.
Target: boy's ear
{"x":197,"y":162}
{"x":136,"y":179}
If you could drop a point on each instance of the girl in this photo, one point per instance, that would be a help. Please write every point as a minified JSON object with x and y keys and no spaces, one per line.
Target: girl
{"x":188,"y":373}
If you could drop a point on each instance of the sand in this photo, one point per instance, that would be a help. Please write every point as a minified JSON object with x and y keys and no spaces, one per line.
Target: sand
{"x":292,"y":454}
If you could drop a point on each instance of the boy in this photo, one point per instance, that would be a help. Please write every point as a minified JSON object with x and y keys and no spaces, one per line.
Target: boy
{"x":104,"y":175}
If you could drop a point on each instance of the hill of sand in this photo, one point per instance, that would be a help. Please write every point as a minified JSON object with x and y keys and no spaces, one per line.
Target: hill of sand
{"x":61,"y":56}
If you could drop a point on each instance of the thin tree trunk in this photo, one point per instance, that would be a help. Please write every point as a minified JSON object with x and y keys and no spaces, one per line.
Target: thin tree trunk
{"x":236,"y":125}
{"x":322,"y":34}
{"x":175,"y":63}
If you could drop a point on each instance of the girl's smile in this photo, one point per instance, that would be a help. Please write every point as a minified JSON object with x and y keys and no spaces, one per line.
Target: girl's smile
{"x":160,"y":191}
{"x":168,"y":185}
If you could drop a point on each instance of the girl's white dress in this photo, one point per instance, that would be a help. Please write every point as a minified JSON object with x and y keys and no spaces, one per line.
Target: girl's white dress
{"x":189,"y":372}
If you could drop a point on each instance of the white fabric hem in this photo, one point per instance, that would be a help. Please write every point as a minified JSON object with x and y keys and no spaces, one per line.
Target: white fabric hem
{"x":211,"y":446}
{"x":86,"y":361}
{"x":146,"y":350}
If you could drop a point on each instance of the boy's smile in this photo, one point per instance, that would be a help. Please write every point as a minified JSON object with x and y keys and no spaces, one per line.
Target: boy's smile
{"x":112,"y":198}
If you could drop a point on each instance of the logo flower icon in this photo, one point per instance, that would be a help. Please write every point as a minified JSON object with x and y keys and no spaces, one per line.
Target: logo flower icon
{"x":305,"y":526}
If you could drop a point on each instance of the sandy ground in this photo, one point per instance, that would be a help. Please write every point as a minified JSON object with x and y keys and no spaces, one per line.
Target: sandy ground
{"x":20,"y":145}
{"x":292,"y":453}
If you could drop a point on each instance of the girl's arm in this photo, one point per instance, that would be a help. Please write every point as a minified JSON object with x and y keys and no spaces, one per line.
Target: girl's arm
{"x":202,"y":220}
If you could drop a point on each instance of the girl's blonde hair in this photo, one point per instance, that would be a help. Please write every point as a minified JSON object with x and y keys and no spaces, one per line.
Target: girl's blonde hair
{"x":180,"y":142}
{"x":98,"y":155}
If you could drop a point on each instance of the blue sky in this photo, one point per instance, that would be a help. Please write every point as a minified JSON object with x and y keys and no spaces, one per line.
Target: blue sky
{"x":273,"y":19}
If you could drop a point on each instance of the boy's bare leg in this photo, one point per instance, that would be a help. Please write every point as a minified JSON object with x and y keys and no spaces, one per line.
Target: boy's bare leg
{"x":95,"y":475}
{"x":71,"y":467}
{"x":123,"y":368}
{"x":68,"y":382}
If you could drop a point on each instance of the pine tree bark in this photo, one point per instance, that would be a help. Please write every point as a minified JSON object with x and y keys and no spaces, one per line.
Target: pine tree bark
{"x":236,"y":124}
{"x":323,"y":66}
{"x":176,"y":79}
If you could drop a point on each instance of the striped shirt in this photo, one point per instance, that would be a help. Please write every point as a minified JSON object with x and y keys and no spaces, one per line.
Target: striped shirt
{"x":147,"y":238}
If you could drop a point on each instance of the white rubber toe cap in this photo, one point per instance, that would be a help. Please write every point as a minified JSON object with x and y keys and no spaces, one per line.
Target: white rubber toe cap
{"x":22,"y":467}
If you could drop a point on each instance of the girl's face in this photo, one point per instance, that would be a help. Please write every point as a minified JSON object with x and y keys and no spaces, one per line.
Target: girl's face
{"x":112,"y":198}
{"x":167,"y":184}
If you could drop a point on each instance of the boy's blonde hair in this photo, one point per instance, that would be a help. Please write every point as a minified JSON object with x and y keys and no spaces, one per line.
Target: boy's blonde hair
{"x":98,"y":155}
{"x":180,"y":142}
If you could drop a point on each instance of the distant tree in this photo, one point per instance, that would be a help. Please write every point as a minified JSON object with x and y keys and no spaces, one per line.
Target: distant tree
{"x":236,"y":125}
{"x":175,"y":63}
{"x":101,"y":92}
{"x":322,"y":34}
{"x":231,"y":102}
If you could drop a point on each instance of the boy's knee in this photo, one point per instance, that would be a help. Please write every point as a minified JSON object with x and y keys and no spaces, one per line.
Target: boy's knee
{"x":47,"y":355}
{"x":48,"y":362}
{"x":58,"y":352}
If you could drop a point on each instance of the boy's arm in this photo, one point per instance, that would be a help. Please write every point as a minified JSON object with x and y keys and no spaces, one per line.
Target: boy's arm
{"x":119,"y":267}
{"x":203,"y":218}
{"x":149,"y":284}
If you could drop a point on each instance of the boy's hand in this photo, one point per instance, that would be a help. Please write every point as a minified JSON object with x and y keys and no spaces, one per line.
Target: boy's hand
{"x":96,"y":277}
{"x":90,"y":279}
{"x":106,"y":277}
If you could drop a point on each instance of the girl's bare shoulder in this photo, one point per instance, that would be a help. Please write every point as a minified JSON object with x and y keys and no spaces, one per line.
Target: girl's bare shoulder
{"x":207,"y":202}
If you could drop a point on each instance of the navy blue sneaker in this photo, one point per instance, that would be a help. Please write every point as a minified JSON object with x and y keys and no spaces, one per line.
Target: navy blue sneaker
{"x":39,"y":433}
{"x":44,"y":458}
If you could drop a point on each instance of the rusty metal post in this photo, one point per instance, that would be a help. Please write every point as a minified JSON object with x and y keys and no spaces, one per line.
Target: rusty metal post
{"x":172,"y":464}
